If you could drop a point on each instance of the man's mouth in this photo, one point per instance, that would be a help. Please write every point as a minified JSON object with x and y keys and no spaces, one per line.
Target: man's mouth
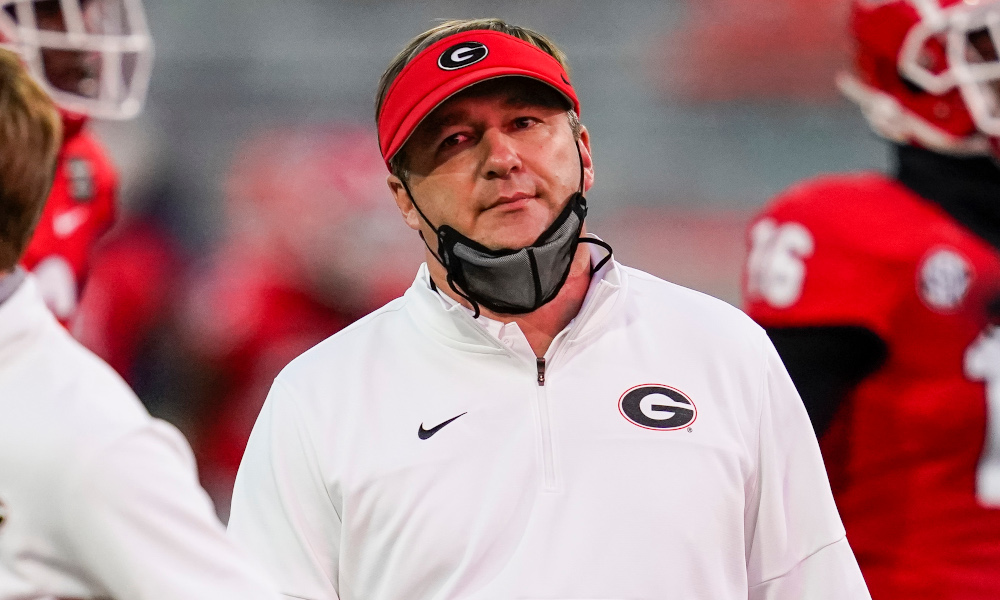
{"x":513,"y":201}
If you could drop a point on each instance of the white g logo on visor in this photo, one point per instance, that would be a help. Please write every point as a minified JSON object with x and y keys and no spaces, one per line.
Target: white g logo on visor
{"x":462,"y":55}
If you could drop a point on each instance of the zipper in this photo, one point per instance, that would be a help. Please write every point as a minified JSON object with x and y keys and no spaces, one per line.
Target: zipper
{"x":550,"y":481}
{"x":545,"y":423}
{"x":544,"y":410}
{"x":550,"y":478}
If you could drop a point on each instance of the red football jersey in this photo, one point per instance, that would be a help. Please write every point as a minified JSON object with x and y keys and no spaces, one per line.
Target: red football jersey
{"x":130,"y":293}
{"x":80,"y":209}
{"x":914,"y":453}
{"x":245,"y":320}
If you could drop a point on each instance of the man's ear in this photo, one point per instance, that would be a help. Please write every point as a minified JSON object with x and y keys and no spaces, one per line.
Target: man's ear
{"x":588,"y":159}
{"x":404,"y":202}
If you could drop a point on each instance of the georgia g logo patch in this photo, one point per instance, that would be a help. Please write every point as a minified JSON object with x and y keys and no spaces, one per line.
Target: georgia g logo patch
{"x":462,"y":55}
{"x":658,"y":407}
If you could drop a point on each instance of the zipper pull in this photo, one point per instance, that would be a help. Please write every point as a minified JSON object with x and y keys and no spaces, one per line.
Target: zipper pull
{"x":540,"y":363}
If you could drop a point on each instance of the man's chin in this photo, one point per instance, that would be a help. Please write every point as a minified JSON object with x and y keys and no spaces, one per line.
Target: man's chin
{"x":515,"y":241}
{"x":514,"y":234}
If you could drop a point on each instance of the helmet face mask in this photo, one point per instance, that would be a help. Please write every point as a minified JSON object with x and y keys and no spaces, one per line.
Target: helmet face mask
{"x":927,"y":72}
{"x":93,"y":57}
{"x":972,"y":54}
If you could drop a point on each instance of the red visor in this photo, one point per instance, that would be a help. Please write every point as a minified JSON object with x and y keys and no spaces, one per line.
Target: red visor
{"x":449,"y":66}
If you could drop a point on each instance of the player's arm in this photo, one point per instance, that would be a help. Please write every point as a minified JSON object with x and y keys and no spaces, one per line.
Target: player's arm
{"x":825,"y":293}
{"x":143,"y":528}
{"x":827,"y":363}
{"x":283,"y":513}
{"x":796,"y":544}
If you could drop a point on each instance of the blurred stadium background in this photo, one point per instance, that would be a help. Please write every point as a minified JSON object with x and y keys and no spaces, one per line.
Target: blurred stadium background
{"x":248,"y":180}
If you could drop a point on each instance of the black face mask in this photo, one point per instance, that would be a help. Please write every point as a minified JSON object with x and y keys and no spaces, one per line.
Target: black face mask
{"x":514,"y":281}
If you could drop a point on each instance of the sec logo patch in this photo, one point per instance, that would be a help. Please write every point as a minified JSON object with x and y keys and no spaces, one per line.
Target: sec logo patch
{"x":657,"y":407}
{"x":944,"y":280}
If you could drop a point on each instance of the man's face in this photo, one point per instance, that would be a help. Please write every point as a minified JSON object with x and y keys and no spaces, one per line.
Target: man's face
{"x":497,"y":162}
{"x":68,"y":70}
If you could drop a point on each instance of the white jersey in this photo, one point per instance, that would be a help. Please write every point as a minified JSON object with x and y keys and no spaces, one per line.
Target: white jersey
{"x":658,"y":451}
{"x":97,"y":499}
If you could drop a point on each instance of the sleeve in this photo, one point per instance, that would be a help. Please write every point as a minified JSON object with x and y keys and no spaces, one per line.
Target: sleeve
{"x":826,"y":364}
{"x":808,"y":266}
{"x":143,"y":529}
{"x":796,"y":544}
{"x":282,"y":513}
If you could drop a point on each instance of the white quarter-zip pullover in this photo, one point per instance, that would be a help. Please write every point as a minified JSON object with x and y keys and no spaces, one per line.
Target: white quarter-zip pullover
{"x":97,"y":499}
{"x":658,"y":450}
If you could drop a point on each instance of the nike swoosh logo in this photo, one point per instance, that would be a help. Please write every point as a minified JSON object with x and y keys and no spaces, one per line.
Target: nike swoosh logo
{"x":64,"y":224}
{"x":426,"y":433}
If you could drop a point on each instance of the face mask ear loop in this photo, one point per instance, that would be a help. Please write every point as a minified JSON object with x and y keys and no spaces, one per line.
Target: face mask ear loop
{"x":475,"y":305}
{"x":416,"y":206}
{"x":602,"y":244}
{"x":433,"y":253}
{"x":451,"y":282}
{"x":426,"y":220}
{"x":586,"y":240}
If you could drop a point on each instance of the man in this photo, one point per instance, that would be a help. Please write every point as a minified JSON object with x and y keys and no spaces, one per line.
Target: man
{"x":97,"y":499}
{"x":532,"y":419}
{"x":94,"y":60}
{"x":881,"y":294}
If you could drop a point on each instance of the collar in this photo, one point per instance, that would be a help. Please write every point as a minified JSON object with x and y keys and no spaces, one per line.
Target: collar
{"x":10,"y":283}
{"x":442,"y":317}
{"x":968,"y":189}
{"x":23,"y":316}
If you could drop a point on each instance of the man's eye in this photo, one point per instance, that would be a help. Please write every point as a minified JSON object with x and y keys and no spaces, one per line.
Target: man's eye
{"x":452,"y":140}
{"x":523,"y":122}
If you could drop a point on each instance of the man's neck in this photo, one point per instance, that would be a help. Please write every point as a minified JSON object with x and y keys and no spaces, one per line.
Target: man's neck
{"x":967,"y":188}
{"x":541,"y":326}
{"x":9,"y":282}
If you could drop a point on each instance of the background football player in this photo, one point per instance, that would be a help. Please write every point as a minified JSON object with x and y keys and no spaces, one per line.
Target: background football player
{"x":881,"y":292}
{"x":308,"y":245}
{"x":93,"y":57}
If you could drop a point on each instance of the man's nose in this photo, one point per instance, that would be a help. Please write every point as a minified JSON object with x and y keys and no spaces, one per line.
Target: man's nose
{"x":501,"y":156}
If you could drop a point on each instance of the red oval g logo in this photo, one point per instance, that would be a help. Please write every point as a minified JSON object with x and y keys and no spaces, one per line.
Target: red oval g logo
{"x":462,"y":55}
{"x":658,"y":407}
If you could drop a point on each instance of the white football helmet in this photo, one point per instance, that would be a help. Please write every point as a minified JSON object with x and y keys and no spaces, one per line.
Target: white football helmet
{"x":92,"y":57}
